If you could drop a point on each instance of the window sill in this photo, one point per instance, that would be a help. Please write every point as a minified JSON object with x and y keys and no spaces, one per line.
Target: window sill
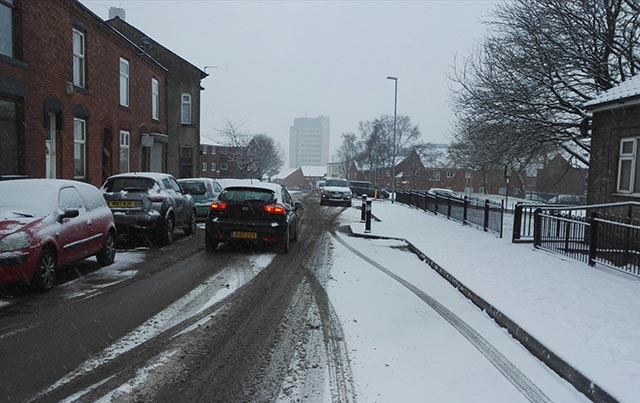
{"x":633,"y":195}
{"x":15,"y":62}
{"x":81,"y":90}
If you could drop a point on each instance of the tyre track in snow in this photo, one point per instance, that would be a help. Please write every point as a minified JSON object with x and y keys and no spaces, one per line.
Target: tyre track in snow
{"x":518,"y":379}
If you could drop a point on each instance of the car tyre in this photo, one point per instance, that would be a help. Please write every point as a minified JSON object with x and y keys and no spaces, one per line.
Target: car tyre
{"x":45,"y":275}
{"x":191,"y":229}
{"x":284,"y":243}
{"x":166,"y":236}
{"x":107,"y":254}
{"x":209,"y":244}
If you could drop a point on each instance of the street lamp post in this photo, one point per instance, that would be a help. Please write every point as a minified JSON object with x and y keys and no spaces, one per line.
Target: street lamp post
{"x":393,"y":156}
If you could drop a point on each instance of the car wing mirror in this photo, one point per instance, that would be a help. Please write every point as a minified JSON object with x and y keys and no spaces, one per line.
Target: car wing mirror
{"x":298,"y":205}
{"x":69,"y":213}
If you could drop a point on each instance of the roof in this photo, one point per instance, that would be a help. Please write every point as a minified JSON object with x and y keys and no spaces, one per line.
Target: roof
{"x":240,"y":183}
{"x":314,"y":171}
{"x":153,"y":175}
{"x":285,"y":174}
{"x":618,"y":95}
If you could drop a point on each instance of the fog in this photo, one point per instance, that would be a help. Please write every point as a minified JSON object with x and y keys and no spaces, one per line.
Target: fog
{"x":275,"y":61}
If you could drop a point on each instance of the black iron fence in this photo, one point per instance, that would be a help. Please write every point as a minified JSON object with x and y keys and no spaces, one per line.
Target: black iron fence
{"x":483,"y":213}
{"x":608,"y":234}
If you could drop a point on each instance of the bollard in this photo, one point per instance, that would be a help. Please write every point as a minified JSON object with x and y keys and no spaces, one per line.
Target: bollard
{"x":363,"y":210}
{"x":367,"y":226}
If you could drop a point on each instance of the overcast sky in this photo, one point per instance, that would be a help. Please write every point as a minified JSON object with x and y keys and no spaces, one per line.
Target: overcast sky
{"x":281,"y":60}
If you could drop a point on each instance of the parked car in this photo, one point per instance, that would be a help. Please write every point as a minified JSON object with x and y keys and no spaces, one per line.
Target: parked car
{"x":358,"y":188}
{"x":203,"y":191}
{"x":146,"y":202}
{"x":260,"y":213}
{"x":569,"y":200}
{"x":335,"y":190}
{"x":441,"y":192}
{"x":46,"y":224}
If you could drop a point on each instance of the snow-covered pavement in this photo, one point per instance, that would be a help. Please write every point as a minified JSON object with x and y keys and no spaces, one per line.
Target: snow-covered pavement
{"x":589,"y":317}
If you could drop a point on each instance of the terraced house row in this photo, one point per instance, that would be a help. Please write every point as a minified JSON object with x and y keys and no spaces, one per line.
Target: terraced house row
{"x":83,"y":98}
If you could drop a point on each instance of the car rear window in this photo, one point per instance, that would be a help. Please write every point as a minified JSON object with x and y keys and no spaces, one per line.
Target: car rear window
{"x":193,"y":187}
{"x":129,"y":184}
{"x":246,"y":194}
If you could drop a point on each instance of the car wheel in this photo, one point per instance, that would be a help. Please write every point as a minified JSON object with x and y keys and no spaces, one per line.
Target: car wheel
{"x":107,"y":254}
{"x":284,"y":243}
{"x":295,"y":234}
{"x":166,"y":236}
{"x":192,"y":224}
{"x":45,"y":274}
{"x":209,"y":244}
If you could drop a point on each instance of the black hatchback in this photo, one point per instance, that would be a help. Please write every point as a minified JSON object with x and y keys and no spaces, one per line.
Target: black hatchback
{"x":259,"y":213}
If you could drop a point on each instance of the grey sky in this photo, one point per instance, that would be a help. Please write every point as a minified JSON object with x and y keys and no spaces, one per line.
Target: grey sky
{"x":281,"y":60}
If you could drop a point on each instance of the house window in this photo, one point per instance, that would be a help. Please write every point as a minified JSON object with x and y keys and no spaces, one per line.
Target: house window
{"x":213,"y":167}
{"x":185,"y":152}
{"x":224,"y":166}
{"x":467,"y":174}
{"x":185,"y":116}
{"x":204,"y":167}
{"x":213,"y":151}
{"x":79,"y":148}
{"x":629,"y":166}
{"x":450,"y":174}
{"x":6,"y":27}
{"x":124,"y":82}
{"x":155,"y":99}
{"x":125,"y":143}
{"x":78,"y":58}
{"x":435,"y":175}
{"x":203,"y":150}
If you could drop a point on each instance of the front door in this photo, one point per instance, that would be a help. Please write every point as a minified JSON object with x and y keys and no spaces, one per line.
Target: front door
{"x":51,"y":147}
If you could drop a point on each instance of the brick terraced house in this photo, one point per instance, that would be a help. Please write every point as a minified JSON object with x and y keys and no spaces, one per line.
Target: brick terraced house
{"x":78,"y":100}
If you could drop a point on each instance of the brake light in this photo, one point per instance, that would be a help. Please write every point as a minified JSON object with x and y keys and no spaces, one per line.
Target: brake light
{"x":277,"y":209}
{"x":218,"y":206}
{"x":156,"y":199}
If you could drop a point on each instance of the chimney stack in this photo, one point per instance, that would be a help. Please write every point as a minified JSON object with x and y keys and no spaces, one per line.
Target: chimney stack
{"x":117,"y":12}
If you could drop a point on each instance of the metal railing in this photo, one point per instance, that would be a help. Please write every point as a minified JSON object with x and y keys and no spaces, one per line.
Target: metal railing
{"x":483,"y":213}
{"x":608,"y":234}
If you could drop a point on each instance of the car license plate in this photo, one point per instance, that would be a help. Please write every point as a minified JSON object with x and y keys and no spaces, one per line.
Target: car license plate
{"x":244,"y":235}
{"x":121,"y":203}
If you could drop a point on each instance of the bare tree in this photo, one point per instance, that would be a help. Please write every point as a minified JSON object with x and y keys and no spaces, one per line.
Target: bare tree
{"x":255,"y":155}
{"x":525,"y":87}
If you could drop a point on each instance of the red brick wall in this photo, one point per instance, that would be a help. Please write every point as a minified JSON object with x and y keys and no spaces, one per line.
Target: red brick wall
{"x":47,"y":51}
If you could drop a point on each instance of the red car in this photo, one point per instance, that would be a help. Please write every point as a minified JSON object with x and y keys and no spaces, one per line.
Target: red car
{"x":46,"y":224}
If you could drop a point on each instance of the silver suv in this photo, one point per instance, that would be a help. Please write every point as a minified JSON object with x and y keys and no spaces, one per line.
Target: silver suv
{"x":149,"y":202}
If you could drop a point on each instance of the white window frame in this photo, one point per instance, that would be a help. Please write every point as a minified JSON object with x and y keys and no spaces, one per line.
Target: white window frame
{"x":631,"y":158}
{"x":435,"y":176}
{"x":185,"y":109}
{"x":79,"y":59}
{"x":204,"y":167}
{"x":224,"y":166}
{"x":124,"y":81}
{"x":213,"y":150}
{"x":213,"y":167}
{"x":125,"y":151}
{"x":155,"y":99}
{"x":467,"y":175}
{"x":79,"y":148}
{"x":450,"y":174}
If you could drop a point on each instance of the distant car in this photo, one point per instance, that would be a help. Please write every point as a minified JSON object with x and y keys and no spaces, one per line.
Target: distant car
{"x":146,"y":202}
{"x":335,"y":191}
{"x":441,"y":192}
{"x":203,"y":191}
{"x":358,"y":188}
{"x":46,"y":224}
{"x":259,"y":213}
{"x":569,"y":200}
